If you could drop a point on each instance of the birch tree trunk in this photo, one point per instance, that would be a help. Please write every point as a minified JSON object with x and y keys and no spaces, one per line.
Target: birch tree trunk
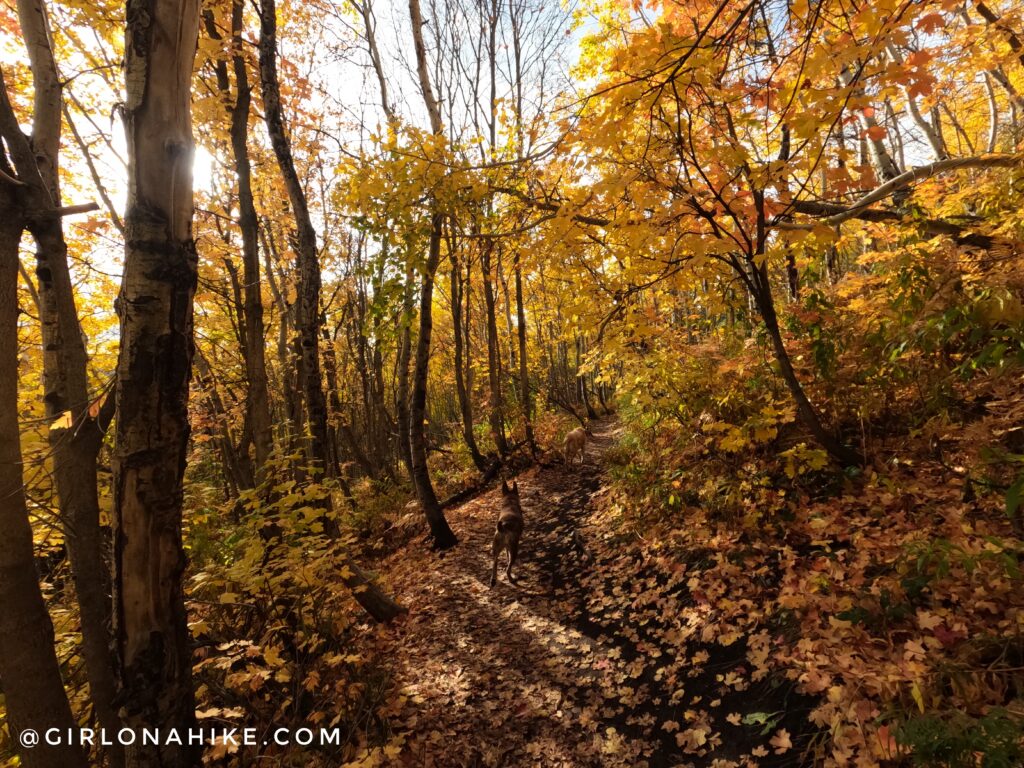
{"x":153,"y":372}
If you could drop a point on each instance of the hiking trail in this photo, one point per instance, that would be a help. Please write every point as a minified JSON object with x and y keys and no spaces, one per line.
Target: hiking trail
{"x":567,"y":666}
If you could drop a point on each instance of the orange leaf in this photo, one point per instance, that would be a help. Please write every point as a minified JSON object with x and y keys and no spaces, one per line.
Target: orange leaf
{"x":931,"y":22}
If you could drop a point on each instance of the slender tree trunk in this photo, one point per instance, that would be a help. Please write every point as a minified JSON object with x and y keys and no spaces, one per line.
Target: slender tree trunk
{"x":308,"y":310}
{"x":366,"y":592}
{"x":29,"y":674}
{"x":930,"y":130}
{"x":881,"y":160}
{"x":258,"y":400}
{"x":524,"y":368}
{"x":761,"y":289}
{"x":495,"y":409}
{"x":465,"y":404}
{"x":153,"y":371}
{"x":792,"y":275}
{"x":238,"y":472}
{"x":75,"y":453}
{"x":805,"y":410}
{"x":403,"y":358}
{"x":334,"y":425}
{"x":441,"y":533}
{"x":581,"y":381}
{"x":291,"y":395}
{"x":65,"y":365}
{"x":377,"y":382}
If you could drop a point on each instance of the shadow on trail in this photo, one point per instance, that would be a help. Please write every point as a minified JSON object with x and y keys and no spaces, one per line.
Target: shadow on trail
{"x":569,"y":666}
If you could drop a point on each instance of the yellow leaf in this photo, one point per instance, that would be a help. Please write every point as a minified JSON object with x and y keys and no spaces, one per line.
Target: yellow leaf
{"x":915,"y":691}
{"x":62,"y":422}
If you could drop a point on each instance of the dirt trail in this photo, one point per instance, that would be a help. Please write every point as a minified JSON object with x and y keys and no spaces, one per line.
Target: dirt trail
{"x":555,"y":670}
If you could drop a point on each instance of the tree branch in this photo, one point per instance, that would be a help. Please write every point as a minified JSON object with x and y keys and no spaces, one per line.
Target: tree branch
{"x":899,"y":182}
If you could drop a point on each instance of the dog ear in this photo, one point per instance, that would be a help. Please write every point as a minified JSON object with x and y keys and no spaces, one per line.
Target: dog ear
{"x":515,"y":486}
{"x":504,"y":488}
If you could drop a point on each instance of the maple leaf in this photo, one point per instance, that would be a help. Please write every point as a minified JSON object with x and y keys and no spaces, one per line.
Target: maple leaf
{"x":781,"y":741}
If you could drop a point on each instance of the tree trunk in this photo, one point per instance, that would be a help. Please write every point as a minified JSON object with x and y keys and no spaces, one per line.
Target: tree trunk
{"x":153,"y":371}
{"x":238,"y":472}
{"x":402,"y":375}
{"x":258,"y":400}
{"x":465,"y":404}
{"x":373,"y":600}
{"x":75,"y":451}
{"x":370,"y":597}
{"x":441,"y":533}
{"x":524,"y":368}
{"x":308,"y":262}
{"x":792,"y":275}
{"x":754,"y":272}
{"x":65,"y":366}
{"x":805,"y":410}
{"x":291,"y":395}
{"x":29,"y":673}
{"x":581,"y":381}
{"x":494,"y":414}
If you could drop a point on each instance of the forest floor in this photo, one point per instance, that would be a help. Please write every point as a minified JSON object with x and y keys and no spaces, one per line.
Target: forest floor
{"x":576,"y":663}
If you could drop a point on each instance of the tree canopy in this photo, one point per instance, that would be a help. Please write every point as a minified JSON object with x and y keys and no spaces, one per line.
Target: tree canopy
{"x":287,"y":289}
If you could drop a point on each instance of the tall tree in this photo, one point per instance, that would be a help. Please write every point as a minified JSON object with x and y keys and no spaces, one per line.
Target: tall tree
{"x":154,"y":367}
{"x":369,"y":595}
{"x":307,"y":315}
{"x":441,"y":533}
{"x":458,"y":287}
{"x":29,"y":674}
{"x":75,"y":433}
{"x":257,"y":402}
{"x":495,"y":409}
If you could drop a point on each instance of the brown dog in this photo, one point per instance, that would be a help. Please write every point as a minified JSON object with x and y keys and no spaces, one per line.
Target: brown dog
{"x":508,"y":531}
{"x":575,"y":443}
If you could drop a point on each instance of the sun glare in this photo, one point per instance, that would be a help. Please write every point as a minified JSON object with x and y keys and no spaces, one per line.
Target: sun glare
{"x":202,"y":169}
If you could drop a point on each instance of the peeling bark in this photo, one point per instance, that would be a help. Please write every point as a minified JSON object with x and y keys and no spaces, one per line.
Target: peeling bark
{"x":153,"y":371}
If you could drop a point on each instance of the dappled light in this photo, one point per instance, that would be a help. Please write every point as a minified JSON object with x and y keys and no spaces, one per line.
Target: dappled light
{"x":603,"y":383}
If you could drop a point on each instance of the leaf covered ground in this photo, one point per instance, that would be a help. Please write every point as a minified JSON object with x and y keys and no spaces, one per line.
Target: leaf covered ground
{"x":591,"y":659}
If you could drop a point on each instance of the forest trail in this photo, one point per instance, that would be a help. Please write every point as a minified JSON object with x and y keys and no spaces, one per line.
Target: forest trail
{"x":565,"y":667}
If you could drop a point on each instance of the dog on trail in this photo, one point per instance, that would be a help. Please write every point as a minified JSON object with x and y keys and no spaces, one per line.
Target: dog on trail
{"x":575,"y":443}
{"x":508,"y":531}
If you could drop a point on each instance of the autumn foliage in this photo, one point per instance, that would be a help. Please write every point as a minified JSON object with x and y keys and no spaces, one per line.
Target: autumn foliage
{"x":769,"y":255}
